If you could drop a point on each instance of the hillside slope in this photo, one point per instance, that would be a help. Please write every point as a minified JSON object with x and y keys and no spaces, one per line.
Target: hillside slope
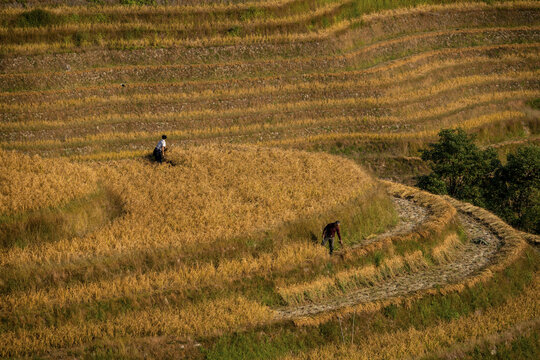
{"x":216,"y":253}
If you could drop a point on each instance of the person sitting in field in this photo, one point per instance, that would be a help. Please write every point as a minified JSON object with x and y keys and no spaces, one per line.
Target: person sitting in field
{"x":328,"y":234}
{"x":159,"y":151}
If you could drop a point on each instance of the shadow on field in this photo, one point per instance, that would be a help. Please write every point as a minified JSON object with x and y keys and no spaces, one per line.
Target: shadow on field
{"x":77,"y":218}
{"x":150,"y":158}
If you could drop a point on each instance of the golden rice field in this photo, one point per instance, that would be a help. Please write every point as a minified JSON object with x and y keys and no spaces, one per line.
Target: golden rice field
{"x":281,"y":116}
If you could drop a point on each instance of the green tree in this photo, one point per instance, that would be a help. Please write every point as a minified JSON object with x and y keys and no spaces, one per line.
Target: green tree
{"x":515,"y":193}
{"x":459,"y":168}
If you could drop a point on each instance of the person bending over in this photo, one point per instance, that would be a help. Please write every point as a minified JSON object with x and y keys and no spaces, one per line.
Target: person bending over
{"x":328,"y":234}
{"x":159,"y":151}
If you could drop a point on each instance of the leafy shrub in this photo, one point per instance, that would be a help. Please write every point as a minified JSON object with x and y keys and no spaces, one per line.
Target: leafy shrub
{"x":433,"y":184}
{"x":460,"y":169}
{"x":36,"y":18}
{"x":515,"y":194}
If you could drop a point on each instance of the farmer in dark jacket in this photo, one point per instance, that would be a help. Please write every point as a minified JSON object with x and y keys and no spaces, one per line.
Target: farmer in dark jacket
{"x":328,"y":234}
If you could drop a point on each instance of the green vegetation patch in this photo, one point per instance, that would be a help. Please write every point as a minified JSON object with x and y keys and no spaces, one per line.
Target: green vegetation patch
{"x":534,"y":103}
{"x":36,"y":18}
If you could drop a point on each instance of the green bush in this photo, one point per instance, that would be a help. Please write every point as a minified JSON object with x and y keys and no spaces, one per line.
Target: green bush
{"x":460,"y":169}
{"x":36,"y":18}
{"x":515,"y":193}
{"x":432,"y":183}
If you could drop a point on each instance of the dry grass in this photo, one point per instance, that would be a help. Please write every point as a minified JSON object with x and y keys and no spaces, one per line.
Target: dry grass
{"x":362,"y":57}
{"x":447,"y":250}
{"x":405,"y":86}
{"x":29,"y":183}
{"x":511,"y":57}
{"x":512,"y":248}
{"x":208,"y":243}
{"x":180,"y":280}
{"x":348,"y":280}
{"x":227,"y":190}
{"x":208,"y":318}
{"x":191,"y":119}
{"x":422,"y":135}
{"x":197,"y":27}
{"x":413,"y":343}
{"x":199,"y":174}
{"x":275,"y":37}
{"x":441,"y":218}
{"x":188,"y":7}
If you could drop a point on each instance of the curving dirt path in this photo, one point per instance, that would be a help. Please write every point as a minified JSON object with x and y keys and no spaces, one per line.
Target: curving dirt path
{"x":470,"y":258}
{"x":411,"y":215}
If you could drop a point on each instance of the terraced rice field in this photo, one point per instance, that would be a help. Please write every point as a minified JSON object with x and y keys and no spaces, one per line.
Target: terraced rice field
{"x":273,"y":109}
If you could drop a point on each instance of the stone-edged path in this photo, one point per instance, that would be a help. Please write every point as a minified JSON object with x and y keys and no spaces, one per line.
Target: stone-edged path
{"x":470,"y":258}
